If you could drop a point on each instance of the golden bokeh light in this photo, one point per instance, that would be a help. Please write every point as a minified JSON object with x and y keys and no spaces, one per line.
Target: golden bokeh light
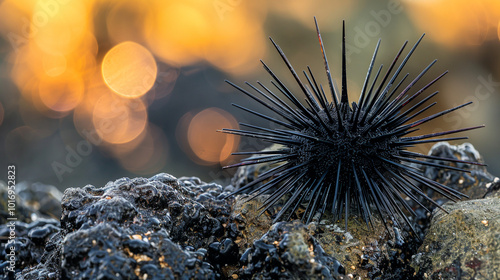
{"x":129,"y":69}
{"x":119,"y":120}
{"x":209,"y":146}
{"x":119,"y":150}
{"x":234,"y":58}
{"x":125,"y":20}
{"x":498,"y":31}
{"x":229,"y":36}
{"x":177,"y":30}
{"x":59,"y":27}
{"x":62,"y":93}
{"x":456,"y":23}
{"x":96,"y":68}
{"x":54,"y":64}
{"x":83,"y":113}
{"x":55,"y":83}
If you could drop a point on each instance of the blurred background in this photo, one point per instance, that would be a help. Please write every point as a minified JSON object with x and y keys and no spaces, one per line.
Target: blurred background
{"x":92,"y":90}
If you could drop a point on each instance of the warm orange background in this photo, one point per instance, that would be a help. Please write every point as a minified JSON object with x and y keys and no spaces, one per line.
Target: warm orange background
{"x":96,"y":90}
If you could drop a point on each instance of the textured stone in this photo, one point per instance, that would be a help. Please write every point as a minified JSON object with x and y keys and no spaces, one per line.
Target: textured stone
{"x":464,"y":244}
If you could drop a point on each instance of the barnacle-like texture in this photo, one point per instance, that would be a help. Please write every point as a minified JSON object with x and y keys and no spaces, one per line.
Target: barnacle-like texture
{"x":288,"y":251}
{"x":144,"y":228}
{"x":138,"y":228}
{"x":346,"y":157}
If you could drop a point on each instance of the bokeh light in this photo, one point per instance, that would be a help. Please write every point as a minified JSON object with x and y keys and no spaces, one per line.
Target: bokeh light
{"x":59,"y":29}
{"x":498,"y":31}
{"x":184,"y":32}
{"x":119,"y":120}
{"x":54,"y":64}
{"x":456,"y":23}
{"x":62,"y":93}
{"x":208,"y":145}
{"x":129,"y":69}
{"x":125,"y":20}
{"x":143,"y":80}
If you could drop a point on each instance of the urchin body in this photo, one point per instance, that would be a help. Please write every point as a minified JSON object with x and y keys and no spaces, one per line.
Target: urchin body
{"x":342,"y":147}
{"x":341,"y":157}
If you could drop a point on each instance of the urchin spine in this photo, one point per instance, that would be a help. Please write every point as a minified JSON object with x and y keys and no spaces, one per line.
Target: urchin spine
{"x":345,"y":158}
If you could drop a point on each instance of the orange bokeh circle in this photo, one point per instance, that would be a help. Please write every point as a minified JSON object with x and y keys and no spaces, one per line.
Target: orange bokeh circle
{"x":205,"y":142}
{"x":129,"y":69}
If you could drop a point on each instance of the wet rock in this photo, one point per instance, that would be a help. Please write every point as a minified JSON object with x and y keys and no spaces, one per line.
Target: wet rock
{"x":108,"y":252}
{"x":36,"y":207}
{"x":29,"y":243}
{"x":156,"y":228}
{"x":464,"y":244}
{"x":493,"y":189}
{"x":474,"y":184}
{"x":169,"y":228}
{"x":33,"y":201}
{"x":288,"y":251}
{"x":373,"y":253}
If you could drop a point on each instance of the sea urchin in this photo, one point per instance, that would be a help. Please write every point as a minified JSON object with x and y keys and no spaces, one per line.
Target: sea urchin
{"x":340,"y":157}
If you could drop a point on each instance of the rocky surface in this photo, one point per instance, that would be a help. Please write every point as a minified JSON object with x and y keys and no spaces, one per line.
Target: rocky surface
{"x":475,"y":184}
{"x":156,"y":228}
{"x":463,"y":244}
{"x":168,"y":228}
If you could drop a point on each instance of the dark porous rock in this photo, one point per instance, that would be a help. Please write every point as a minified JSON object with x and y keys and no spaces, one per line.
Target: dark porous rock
{"x":169,"y":228}
{"x":33,"y":201}
{"x":464,"y":244}
{"x":288,"y":251}
{"x":108,"y":252}
{"x":156,"y":228}
{"x":29,"y":243}
{"x":36,"y":212}
{"x":475,"y":184}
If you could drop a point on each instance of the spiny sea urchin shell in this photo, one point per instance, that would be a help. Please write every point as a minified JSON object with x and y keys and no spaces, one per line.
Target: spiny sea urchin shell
{"x":345,"y":158}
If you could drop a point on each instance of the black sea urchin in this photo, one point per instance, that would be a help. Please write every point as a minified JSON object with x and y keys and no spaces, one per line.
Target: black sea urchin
{"x":340,"y":157}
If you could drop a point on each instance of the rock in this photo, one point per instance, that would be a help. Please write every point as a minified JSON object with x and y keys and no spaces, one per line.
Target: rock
{"x":137,"y":228}
{"x":288,"y":251}
{"x":361,"y":252}
{"x":493,"y":189}
{"x":30,"y":240}
{"x":33,"y":201}
{"x":37,"y":210}
{"x":464,"y":244}
{"x":474,"y":184}
{"x":369,"y":253}
{"x":169,"y":228}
